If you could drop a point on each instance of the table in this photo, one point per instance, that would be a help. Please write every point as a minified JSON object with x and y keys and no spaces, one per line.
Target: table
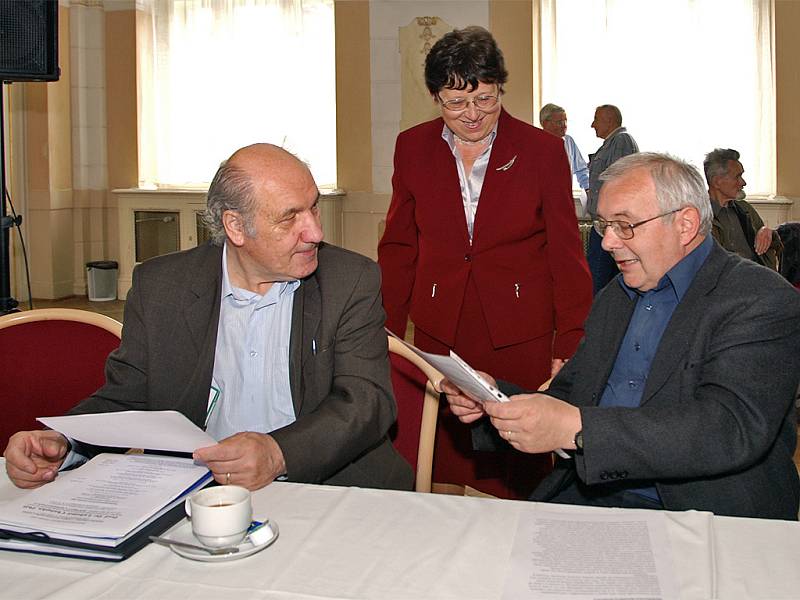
{"x":372,"y":544}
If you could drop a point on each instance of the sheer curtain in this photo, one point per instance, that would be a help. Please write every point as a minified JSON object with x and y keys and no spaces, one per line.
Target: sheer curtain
{"x":215,"y":75}
{"x":688,"y":75}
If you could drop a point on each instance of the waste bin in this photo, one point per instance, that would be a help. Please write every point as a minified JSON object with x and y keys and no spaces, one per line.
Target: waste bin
{"x":102,"y":280}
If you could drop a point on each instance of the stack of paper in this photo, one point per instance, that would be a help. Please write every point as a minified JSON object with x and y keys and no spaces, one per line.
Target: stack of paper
{"x":107,"y":508}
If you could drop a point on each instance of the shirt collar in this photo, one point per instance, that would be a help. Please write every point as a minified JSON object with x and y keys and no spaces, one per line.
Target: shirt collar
{"x":619,"y":129}
{"x":242,"y":295}
{"x":717,"y":208}
{"x":613,"y":133}
{"x":679,"y":277}
{"x":449,"y":137}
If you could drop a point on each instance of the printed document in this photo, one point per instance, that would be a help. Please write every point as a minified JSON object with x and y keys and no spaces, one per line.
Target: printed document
{"x":104,"y":500}
{"x":598,"y":554}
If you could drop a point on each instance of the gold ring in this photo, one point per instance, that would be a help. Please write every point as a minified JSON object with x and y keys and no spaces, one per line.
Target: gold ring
{"x":227,"y":478}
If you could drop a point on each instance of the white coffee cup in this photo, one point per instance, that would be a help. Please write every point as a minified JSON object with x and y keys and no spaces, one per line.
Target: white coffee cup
{"x":220,"y":515}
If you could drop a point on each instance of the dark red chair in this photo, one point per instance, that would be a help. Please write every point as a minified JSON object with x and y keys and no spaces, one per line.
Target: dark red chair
{"x":51,"y":359}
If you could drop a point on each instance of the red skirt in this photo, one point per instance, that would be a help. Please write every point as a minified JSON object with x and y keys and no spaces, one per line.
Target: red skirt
{"x":509,"y":473}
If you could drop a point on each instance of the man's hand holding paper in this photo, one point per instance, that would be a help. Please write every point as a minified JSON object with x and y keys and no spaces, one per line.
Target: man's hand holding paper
{"x":525,"y":421}
{"x":535,"y":423}
{"x":34,"y":458}
{"x":248,"y":459}
{"x":465,"y":408}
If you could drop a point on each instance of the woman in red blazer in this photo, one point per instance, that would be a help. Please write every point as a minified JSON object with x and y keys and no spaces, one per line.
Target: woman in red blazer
{"x":481,"y":247}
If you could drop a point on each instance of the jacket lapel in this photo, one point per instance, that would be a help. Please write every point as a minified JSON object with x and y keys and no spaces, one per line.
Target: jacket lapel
{"x":306,"y":312}
{"x":684,"y":324}
{"x":499,"y":172}
{"x":620,"y":310}
{"x":202,"y":308}
{"x":444,"y":176}
{"x":201,"y":316}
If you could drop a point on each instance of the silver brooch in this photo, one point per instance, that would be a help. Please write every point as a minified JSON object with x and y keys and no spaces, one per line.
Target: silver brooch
{"x":508,"y":165}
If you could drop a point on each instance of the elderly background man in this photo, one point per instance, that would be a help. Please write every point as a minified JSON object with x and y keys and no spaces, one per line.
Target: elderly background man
{"x":268,"y":336}
{"x":553,"y":119}
{"x":481,"y":246}
{"x":737,"y":226}
{"x":681,"y":395}
{"x":618,"y":142}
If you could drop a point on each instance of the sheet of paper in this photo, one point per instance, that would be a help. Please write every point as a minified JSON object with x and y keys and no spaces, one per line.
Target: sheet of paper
{"x":460,"y":373}
{"x":597,"y":554}
{"x":163,"y":430}
{"x":108,"y":497}
{"x":465,"y":377}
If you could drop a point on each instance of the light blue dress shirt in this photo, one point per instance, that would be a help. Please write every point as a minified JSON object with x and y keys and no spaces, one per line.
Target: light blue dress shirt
{"x":577,"y":163}
{"x":250,"y":387}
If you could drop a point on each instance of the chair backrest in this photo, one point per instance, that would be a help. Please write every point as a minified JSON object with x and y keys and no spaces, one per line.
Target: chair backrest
{"x":790,"y":257}
{"x":50,"y":359}
{"x":416,"y":390}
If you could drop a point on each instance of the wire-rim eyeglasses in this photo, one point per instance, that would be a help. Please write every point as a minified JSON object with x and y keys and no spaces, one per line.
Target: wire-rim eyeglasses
{"x":623,"y":229}
{"x":482,"y":102}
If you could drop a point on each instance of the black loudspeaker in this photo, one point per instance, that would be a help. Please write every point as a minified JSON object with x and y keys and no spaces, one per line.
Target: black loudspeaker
{"x":29,"y":40}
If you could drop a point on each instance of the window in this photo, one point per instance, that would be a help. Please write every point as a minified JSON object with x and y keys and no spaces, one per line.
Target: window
{"x":215,"y":75}
{"x":688,"y":75}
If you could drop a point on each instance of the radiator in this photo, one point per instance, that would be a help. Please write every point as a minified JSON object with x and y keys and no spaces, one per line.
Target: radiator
{"x":584,"y":227}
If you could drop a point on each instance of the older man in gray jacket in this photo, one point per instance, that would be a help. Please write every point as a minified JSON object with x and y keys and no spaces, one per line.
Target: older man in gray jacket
{"x":681,"y":395}
{"x":617,"y":143}
{"x":268,"y":337}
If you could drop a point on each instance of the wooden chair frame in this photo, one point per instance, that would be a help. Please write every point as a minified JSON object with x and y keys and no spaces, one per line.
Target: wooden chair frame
{"x":62,"y":314}
{"x":430,"y":414}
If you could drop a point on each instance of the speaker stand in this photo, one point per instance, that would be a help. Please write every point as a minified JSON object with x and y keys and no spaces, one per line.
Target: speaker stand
{"x":7,"y":303}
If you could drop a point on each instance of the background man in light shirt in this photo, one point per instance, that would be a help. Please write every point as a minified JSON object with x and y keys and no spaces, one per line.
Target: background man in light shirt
{"x":267,"y":335}
{"x":553,"y":119}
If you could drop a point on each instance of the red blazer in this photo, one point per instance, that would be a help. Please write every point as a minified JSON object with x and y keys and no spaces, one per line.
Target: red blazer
{"x":526,"y":258}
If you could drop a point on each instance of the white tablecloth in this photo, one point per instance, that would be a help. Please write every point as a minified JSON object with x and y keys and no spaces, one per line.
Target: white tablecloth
{"x":357,"y":543}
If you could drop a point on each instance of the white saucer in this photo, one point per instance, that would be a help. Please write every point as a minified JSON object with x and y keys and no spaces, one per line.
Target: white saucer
{"x":246,"y":548}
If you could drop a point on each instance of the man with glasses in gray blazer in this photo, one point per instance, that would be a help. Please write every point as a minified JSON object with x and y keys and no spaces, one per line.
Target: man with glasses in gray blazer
{"x":681,"y":394}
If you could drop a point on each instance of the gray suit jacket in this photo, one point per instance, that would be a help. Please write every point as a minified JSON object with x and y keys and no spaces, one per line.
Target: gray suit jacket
{"x":716,"y":428}
{"x":620,"y":143}
{"x":342,"y":394}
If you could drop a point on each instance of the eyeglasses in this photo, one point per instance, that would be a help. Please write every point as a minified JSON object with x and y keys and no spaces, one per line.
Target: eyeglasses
{"x":482,"y":102}
{"x":622,"y":229}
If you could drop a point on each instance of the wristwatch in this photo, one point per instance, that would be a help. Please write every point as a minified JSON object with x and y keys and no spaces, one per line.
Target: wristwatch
{"x":579,"y":442}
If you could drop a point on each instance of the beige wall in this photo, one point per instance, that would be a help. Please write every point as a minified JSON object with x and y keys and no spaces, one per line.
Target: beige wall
{"x":121,"y":110}
{"x":366,"y":34}
{"x":353,"y":109}
{"x":49,"y":203}
{"x":121,"y":98}
{"x":512,"y":24}
{"x":787,"y":22}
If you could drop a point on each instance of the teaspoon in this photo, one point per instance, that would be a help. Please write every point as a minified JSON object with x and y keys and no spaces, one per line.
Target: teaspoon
{"x":213,"y":551}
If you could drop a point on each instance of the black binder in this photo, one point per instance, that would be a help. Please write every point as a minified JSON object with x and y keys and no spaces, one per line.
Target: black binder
{"x":40,"y":543}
